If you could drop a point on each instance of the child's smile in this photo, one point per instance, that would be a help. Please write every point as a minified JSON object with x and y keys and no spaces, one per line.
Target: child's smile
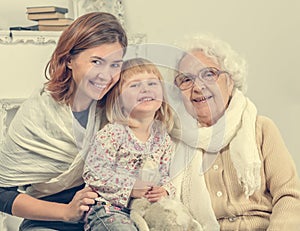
{"x":142,"y":93}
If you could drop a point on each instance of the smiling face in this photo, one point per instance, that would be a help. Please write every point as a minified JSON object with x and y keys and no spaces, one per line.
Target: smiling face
{"x":141,"y":95}
{"x":205,"y":101}
{"x":95,"y":71}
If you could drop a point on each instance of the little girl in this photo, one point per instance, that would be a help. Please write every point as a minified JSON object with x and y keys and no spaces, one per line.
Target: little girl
{"x":136,"y":136}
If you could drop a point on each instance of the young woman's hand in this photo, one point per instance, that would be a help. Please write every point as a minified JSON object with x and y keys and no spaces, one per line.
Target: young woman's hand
{"x":80,"y":204}
{"x":155,"y":193}
{"x":34,"y":209}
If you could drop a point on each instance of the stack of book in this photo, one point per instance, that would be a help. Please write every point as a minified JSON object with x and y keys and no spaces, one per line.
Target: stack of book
{"x":49,"y":18}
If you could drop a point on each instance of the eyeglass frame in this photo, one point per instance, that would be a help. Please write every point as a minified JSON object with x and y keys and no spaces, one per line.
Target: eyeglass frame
{"x":194,"y":77}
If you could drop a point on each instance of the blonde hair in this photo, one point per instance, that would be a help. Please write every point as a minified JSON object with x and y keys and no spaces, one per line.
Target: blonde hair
{"x":114,"y":112}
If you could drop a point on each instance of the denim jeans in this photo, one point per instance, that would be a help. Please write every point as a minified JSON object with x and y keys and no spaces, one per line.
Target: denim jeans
{"x":108,"y":218}
{"x":37,"y":229}
{"x":30,"y":225}
{"x":26,"y":227}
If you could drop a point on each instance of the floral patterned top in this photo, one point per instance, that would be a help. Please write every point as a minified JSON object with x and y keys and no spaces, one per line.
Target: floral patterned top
{"x":116,"y":156}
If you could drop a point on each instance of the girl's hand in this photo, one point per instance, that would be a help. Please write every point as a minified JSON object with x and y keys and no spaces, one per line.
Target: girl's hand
{"x":155,"y":193}
{"x":80,"y":204}
{"x":140,"y":188}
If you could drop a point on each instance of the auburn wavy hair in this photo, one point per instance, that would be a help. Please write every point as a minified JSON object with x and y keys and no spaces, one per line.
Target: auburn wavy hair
{"x":87,"y":31}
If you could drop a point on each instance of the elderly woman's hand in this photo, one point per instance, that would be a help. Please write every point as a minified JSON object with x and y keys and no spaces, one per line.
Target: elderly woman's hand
{"x":80,"y":204}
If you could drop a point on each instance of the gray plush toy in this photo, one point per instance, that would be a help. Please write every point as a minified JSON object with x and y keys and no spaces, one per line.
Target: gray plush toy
{"x":164,"y":215}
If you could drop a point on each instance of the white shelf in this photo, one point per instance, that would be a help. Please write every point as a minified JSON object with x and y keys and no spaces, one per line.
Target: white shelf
{"x":48,"y":37}
{"x":29,"y":37}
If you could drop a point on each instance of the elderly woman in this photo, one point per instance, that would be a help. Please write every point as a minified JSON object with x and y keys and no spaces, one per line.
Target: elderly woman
{"x":232,"y":167}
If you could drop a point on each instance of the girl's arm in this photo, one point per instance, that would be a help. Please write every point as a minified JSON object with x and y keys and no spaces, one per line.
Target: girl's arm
{"x":164,"y":169}
{"x":167,"y":187}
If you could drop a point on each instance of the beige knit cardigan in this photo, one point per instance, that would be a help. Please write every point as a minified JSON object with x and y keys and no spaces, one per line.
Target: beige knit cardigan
{"x":276,"y":206}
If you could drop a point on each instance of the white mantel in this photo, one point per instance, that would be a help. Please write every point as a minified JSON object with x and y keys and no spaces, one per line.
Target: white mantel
{"x":48,"y":37}
{"x":29,"y":37}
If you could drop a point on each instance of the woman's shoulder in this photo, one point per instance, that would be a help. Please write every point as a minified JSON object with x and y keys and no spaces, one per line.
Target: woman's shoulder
{"x":265,"y":123}
{"x":42,"y":98}
{"x":266,"y":129}
{"x":40,"y":104}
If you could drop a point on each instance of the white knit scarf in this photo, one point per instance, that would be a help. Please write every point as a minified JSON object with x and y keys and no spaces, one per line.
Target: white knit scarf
{"x":235,"y":128}
{"x":41,"y":148}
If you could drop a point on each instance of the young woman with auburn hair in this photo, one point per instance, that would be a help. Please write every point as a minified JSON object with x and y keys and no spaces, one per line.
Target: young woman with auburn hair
{"x":48,"y":137}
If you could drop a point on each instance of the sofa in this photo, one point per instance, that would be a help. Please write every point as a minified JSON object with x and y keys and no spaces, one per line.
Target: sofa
{"x":8,"y":108}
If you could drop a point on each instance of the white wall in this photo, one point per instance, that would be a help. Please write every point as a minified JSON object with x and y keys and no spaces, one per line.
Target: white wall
{"x":22,"y":65}
{"x":22,"y":69}
{"x":266,"y":33}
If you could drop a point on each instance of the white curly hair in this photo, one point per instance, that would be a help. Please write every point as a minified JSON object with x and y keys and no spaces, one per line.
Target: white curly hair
{"x":221,"y":52}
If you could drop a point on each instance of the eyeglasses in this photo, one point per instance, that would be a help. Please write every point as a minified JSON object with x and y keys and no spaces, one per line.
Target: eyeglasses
{"x":207,"y":75}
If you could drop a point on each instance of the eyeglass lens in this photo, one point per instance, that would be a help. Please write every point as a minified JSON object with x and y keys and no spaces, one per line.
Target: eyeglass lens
{"x":208,"y":74}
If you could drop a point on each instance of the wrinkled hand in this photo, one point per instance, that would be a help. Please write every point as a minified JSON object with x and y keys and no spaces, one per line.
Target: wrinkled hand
{"x":140,"y":188}
{"x":80,"y":204}
{"x":155,"y":193}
